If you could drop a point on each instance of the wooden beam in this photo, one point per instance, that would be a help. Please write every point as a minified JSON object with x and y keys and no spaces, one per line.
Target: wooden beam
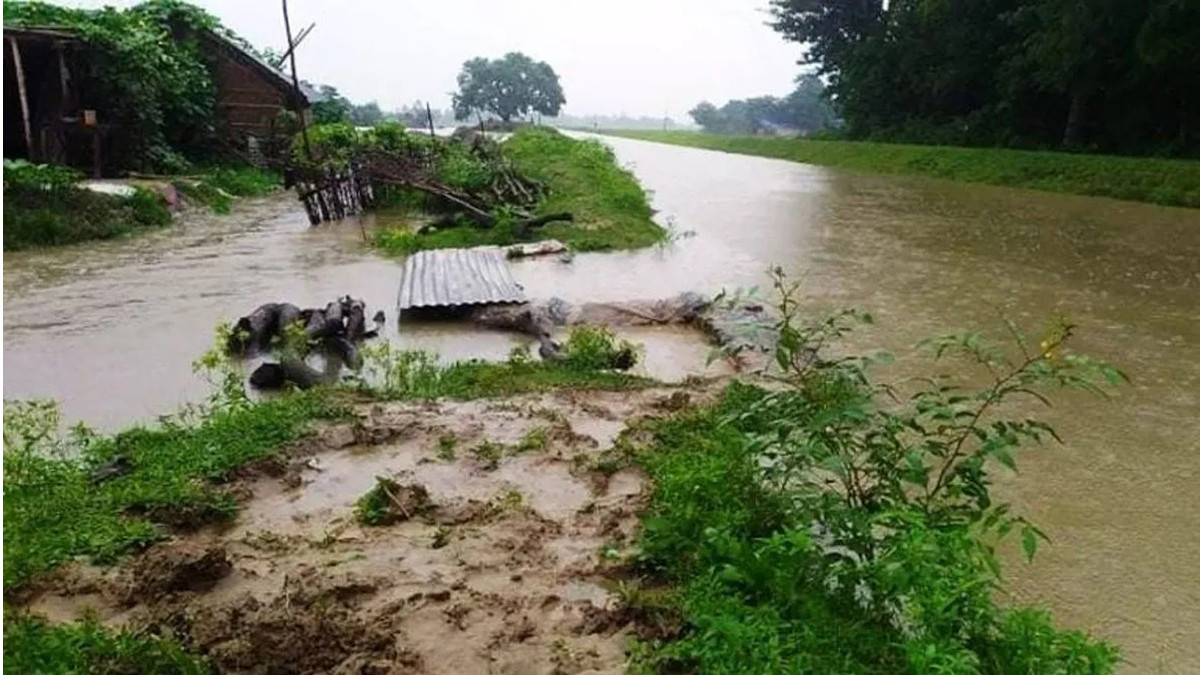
{"x":64,"y":75}
{"x":16,"y":54}
{"x":299,"y":38}
{"x":287,"y":27}
{"x":232,"y":104}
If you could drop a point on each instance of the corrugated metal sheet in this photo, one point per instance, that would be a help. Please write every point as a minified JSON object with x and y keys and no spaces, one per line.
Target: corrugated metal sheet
{"x":458,"y":276}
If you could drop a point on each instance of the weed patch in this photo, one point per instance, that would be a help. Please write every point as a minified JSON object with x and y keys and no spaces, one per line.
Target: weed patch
{"x":410,"y":375}
{"x":45,"y":206}
{"x":62,"y":498}
{"x":390,"y":502}
{"x":34,"y":646}
{"x":808,"y":528}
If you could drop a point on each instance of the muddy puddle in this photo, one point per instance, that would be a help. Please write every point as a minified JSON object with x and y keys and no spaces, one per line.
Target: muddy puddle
{"x":111,"y":329}
{"x":506,"y":567}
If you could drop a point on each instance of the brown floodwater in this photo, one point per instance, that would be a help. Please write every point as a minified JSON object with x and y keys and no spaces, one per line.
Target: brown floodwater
{"x":110,"y":330}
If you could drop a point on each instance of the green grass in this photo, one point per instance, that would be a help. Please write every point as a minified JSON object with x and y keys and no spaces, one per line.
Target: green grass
{"x":68,"y":214}
{"x":33,"y":646}
{"x":44,"y":206}
{"x":243,"y":181}
{"x":217,"y":186}
{"x":1170,"y":182}
{"x":754,"y":590}
{"x":53,"y":513}
{"x":414,"y":375}
{"x":610,"y":207}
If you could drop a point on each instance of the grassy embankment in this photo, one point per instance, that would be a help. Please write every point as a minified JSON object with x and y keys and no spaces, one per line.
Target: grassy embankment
{"x":1170,"y":182}
{"x":219,"y":186}
{"x":46,"y":206}
{"x":178,"y":473}
{"x":610,"y":207}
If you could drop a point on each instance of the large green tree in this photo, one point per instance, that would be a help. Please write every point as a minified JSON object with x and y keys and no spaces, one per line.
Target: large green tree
{"x":513,"y":86}
{"x":1113,"y":75}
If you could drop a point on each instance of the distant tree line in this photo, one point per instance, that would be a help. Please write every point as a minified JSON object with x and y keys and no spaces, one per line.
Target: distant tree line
{"x":803,"y":111}
{"x":610,"y":122}
{"x":1107,"y":75}
{"x":331,"y":106}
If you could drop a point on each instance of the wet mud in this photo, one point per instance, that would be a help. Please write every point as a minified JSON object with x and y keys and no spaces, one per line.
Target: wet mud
{"x":508,"y":566}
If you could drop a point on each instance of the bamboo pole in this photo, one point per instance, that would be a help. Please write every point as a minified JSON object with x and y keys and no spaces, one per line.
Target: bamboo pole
{"x":16,"y":54}
{"x":287,"y":26}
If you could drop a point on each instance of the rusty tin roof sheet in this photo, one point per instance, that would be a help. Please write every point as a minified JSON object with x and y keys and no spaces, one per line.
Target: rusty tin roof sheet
{"x":458,"y":276}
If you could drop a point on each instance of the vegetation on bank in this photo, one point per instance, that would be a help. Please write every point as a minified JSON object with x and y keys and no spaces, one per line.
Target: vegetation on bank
{"x":171,"y":475}
{"x":611,"y":210}
{"x":810,"y":528}
{"x":409,"y":375}
{"x":98,"y":497}
{"x":1170,"y":182}
{"x":35,"y":646}
{"x":45,"y":206}
{"x":56,"y":509}
{"x":217,"y":187}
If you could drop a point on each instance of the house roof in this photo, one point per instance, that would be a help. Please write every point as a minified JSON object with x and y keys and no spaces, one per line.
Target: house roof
{"x":40,"y":33}
{"x":273,"y":75}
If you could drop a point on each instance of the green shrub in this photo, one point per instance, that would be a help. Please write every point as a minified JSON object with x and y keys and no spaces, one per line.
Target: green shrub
{"x":243,"y":181}
{"x":44,"y":206}
{"x":811,"y":529}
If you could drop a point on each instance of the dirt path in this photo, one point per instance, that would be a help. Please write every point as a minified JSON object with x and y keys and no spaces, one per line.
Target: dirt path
{"x":507,"y":567}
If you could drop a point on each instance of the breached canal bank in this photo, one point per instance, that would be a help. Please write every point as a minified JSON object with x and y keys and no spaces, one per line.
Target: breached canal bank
{"x":923,"y":257}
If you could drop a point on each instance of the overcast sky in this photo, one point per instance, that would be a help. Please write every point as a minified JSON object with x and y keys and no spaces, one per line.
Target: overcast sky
{"x":640,"y":57}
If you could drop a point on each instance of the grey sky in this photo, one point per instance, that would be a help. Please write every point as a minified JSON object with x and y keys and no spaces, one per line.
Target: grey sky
{"x":641,"y":57}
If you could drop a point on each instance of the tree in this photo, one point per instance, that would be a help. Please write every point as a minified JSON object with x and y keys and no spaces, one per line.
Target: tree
{"x":805,"y":109}
{"x":707,"y":116}
{"x":366,"y":115}
{"x":1111,"y":75}
{"x":513,"y":86}
{"x":330,"y":106}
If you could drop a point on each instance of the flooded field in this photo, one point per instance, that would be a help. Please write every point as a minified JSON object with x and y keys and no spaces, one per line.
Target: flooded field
{"x":111,"y":329}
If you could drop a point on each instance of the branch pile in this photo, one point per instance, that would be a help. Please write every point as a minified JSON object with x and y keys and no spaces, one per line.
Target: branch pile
{"x":465,"y":177}
{"x":504,"y":189}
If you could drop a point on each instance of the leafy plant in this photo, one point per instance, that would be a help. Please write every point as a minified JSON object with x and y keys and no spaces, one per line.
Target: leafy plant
{"x":392,"y":373}
{"x":598,"y":348}
{"x":44,"y":205}
{"x":827,"y":524}
{"x":488,"y":454}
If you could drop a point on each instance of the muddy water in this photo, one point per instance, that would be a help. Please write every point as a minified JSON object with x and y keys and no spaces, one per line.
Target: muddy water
{"x":110,"y":330}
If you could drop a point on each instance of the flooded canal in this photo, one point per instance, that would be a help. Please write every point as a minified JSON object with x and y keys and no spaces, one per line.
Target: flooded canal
{"x":111,"y":329}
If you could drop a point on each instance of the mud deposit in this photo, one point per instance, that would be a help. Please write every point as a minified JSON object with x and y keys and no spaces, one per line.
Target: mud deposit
{"x":506,"y":567}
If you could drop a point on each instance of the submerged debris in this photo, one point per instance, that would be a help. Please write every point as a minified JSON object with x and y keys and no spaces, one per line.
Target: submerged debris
{"x":335,"y":329}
